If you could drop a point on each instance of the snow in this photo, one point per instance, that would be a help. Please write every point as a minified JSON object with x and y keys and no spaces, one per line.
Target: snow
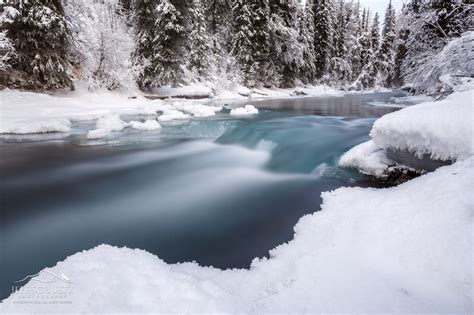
{"x":105,"y":125}
{"x":172,"y":114}
{"x":242,"y":111}
{"x":442,"y":129}
{"x":367,"y":158}
{"x":367,"y":251}
{"x":192,"y":89}
{"x":148,"y":125}
{"x":27,"y":112}
{"x":197,"y":110}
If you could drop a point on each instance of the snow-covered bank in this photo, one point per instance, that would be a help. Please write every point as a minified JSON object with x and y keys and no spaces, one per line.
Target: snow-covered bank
{"x":239,"y":92}
{"x":368,"y":250}
{"x":442,"y":129}
{"x":29,"y":112}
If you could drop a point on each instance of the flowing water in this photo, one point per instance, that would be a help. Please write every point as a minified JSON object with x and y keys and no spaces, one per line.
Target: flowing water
{"x":219,"y":191}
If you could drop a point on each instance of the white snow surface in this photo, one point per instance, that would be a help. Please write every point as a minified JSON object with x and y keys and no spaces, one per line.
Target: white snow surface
{"x":406,"y":249}
{"x":245,"y":110}
{"x":28,"y":112}
{"x":148,"y":125}
{"x":367,"y":158}
{"x":442,"y":129}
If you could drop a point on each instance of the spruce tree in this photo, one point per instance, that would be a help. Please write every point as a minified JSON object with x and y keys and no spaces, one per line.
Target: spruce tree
{"x":323,"y":32}
{"x":41,"y":38}
{"x":199,"y":41}
{"x":168,"y":43}
{"x":386,"y":52}
{"x":143,"y":56}
{"x":307,"y":71}
{"x":286,"y":52}
{"x":375,"y":33}
{"x":250,"y":39}
{"x":219,"y":13}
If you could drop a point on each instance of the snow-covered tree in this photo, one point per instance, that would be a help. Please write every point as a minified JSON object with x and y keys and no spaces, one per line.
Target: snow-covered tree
{"x":142,"y":56}
{"x":323,"y":14}
{"x":429,"y":26}
{"x":219,"y":14}
{"x":250,"y":39}
{"x":387,"y":48}
{"x":7,"y":51}
{"x":307,"y":71}
{"x":102,"y":43}
{"x":199,"y":42}
{"x":375,"y":33}
{"x":40,"y":36}
{"x":286,"y":52}
{"x":168,"y":43}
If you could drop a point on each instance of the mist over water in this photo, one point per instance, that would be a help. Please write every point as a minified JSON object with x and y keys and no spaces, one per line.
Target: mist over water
{"x":218,"y":191}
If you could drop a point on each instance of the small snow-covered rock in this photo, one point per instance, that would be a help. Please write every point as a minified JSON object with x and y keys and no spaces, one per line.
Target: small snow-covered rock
{"x":367,"y":158}
{"x":148,"y":125}
{"x":172,"y":114}
{"x":246,"y":110}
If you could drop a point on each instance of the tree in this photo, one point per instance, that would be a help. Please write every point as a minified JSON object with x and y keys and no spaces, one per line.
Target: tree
{"x":307,"y":71}
{"x":375,"y":33}
{"x":323,"y":33}
{"x":143,"y":55}
{"x":386,"y":53}
{"x":168,"y":43}
{"x":200,"y":44}
{"x":250,"y":39}
{"x":40,"y":36}
{"x":286,"y":52}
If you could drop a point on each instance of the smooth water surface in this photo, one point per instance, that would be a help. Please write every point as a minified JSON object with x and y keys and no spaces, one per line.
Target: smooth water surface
{"x":219,"y":191}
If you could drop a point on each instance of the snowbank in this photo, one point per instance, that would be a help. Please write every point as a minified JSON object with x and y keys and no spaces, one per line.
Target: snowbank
{"x":242,"y":111}
{"x":442,"y":129}
{"x":368,"y":250}
{"x":27,"y":112}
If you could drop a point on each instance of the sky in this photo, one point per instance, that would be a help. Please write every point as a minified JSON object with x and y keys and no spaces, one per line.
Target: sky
{"x":381,"y":5}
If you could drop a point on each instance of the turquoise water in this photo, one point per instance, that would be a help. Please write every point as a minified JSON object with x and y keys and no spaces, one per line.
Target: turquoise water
{"x":219,"y":191}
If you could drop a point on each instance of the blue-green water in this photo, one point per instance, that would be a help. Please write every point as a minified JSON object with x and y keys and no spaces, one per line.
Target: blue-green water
{"x":219,"y":191}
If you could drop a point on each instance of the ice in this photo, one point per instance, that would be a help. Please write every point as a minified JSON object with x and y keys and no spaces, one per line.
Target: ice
{"x":246,"y":110}
{"x":382,"y":250}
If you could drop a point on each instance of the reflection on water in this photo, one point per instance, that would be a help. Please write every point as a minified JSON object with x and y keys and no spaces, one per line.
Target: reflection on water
{"x":219,"y":191}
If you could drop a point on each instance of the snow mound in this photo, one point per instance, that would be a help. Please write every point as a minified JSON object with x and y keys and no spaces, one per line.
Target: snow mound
{"x":367,"y":158}
{"x":197,"y":110}
{"x":382,"y":250}
{"x":442,"y":129}
{"x":172,"y":114}
{"x":105,"y":125}
{"x":35,"y":126}
{"x":246,"y":110}
{"x":148,"y":125}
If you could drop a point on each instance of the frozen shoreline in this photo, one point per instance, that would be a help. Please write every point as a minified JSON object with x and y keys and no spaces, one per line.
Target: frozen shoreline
{"x":30,"y":112}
